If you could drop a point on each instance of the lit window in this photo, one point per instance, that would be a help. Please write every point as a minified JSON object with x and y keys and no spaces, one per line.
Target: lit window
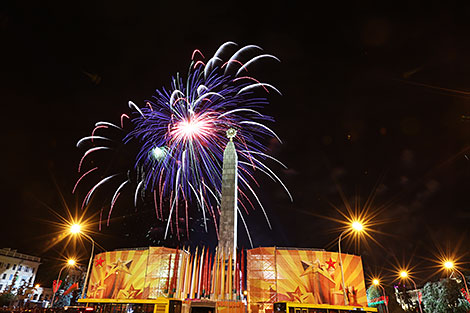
{"x":11,"y":277}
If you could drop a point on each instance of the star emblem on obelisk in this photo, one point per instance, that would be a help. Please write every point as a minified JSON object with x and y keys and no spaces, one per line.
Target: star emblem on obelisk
{"x":231,"y":132}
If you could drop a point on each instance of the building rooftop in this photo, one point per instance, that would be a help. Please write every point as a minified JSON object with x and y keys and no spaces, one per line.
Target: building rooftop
{"x":15,"y":254}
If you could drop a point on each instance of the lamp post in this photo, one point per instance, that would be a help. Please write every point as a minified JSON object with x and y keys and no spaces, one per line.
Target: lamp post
{"x":450,"y":266}
{"x":70,"y":262}
{"x":376,"y":282}
{"x":404,"y":275}
{"x":77,"y":229}
{"x":355,"y":226}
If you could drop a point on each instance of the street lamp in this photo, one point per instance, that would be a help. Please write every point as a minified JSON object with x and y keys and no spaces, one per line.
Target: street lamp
{"x":70,"y":263}
{"x":449,"y":265}
{"x":404,"y":275}
{"x":376,"y":282}
{"x":76,"y":229}
{"x":355,"y":226}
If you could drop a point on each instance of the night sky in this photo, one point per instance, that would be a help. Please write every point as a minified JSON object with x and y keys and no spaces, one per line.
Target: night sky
{"x":375,"y":102}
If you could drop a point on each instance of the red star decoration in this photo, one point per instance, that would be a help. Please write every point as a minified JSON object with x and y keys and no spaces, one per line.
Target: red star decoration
{"x":331,"y":264}
{"x":99,"y":262}
{"x":295,"y":296}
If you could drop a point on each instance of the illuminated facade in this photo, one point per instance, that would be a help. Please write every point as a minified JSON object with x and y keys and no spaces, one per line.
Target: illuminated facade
{"x":17,"y":268}
{"x":303,"y":276}
{"x":271,"y":275}
{"x":147,"y":273}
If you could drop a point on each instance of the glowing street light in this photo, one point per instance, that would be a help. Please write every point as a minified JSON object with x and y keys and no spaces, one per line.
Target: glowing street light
{"x":357,"y":227}
{"x":69,"y":263}
{"x":449,"y":265}
{"x":376,"y":282}
{"x":76,"y":229}
{"x":404,"y":275}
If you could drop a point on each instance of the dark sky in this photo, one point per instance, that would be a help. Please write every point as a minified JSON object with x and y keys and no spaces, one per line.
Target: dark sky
{"x":375,"y":100}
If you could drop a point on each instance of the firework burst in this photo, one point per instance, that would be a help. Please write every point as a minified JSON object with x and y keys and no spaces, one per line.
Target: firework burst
{"x":180,"y":135}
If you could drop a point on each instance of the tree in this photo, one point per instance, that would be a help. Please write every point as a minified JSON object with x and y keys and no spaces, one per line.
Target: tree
{"x":62,"y":299}
{"x":374,"y":292}
{"x":76,"y":294}
{"x":11,"y":288}
{"x":444,"y":297}
{"x":23,"y":291}
{"x":393,"y":306}
{"x":6,"y":299}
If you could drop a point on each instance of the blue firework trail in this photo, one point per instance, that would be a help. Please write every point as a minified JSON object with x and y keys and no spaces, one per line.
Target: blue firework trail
{"x":180,"y":135}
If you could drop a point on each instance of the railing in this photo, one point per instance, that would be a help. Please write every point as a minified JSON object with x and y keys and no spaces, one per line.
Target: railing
{"x":13,"y":253}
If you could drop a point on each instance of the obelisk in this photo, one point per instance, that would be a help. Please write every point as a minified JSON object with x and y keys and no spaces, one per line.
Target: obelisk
{"x":228,"y":208}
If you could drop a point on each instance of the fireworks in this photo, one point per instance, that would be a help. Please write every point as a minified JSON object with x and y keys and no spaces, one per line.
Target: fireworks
{"x":180,"y":135}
